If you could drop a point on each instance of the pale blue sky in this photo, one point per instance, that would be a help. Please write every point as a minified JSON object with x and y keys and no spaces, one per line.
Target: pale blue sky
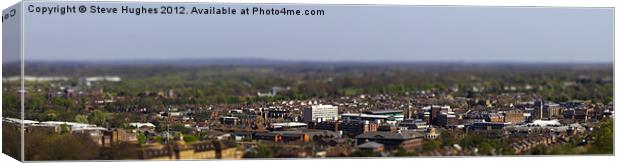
{"x":344,"y":33}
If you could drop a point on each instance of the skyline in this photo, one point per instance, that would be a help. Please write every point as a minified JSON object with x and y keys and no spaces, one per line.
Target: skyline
{"x":267,"y":61}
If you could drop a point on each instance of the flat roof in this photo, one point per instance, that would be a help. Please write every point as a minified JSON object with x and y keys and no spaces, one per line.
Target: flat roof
{"x":383,"y":111}
{"x":289,"y":124}
{"x":363,"y":115}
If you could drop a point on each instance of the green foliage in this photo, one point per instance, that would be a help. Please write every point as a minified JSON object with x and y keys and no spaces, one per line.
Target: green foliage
{"x":99,"y":117}
{"x":404,"y":153}
{"x":11,"y":105}
{"x":263,"y":153}
{"x":564,"y":149}
{"x":35,"y":102}
{"x":122,"y":120}
{"x":350,"y":91}
{"x":449,"y":138}
{"x":431,"y":145}
{"x":485,"y":149}
{"x":63,"y":102}
{"x":472,"y":140}
{"x":81,"y":118}
{"x":50,"y":115}
{"x":40,"y":146}
{"x":508,"y":151}
{"x":557,"y":149}
{"x":603,"y":136}
{"x":64,"y":128}
{"x":141,"y":138}
{"x":159,"y":139}
{"x":190,"y":138}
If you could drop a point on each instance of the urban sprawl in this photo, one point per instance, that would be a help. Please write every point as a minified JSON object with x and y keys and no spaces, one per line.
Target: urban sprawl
{"x":100,"y":119}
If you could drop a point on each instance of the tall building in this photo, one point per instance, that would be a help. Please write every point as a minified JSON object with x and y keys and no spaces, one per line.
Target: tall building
{"x":447,"y":120}
{"x":435,"y":111}
{"x":538,"y":114}
{"x":318,"y":113}
{"x":546,"y":110}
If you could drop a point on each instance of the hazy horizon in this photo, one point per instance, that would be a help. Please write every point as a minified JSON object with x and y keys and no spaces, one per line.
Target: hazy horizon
{"x":361,"y":34}
{"x":266,"y":61}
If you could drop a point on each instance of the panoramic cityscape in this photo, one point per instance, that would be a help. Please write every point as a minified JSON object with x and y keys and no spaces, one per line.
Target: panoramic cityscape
{"x":172,"y":111}
{"x":355,"y":81}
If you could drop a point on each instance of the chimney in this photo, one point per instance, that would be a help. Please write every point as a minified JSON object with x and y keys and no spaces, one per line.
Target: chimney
{"x":541,"y":109}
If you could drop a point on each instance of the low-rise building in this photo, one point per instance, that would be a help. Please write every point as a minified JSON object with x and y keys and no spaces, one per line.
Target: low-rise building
{"x":179,"y":150}
{"x":514,"y":117}
{"x":406,"y":139}
{"x":348,"y":128}
{"x":488,"y":125}
{"x":371,"y":146}
{"x":413,"y":124}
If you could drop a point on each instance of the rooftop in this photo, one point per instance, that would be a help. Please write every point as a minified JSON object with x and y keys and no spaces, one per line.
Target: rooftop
{"x":399,"y":135}
{"x":370,"y":145}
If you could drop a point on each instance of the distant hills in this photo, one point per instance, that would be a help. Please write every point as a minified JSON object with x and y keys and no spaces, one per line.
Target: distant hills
{"x":274,"y":62}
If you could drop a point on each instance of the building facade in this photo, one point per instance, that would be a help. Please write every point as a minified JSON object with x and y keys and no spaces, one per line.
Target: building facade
{"x":319,"y":113}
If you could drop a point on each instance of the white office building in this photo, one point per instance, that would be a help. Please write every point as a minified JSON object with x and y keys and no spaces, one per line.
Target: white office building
{"x":318,"y":113}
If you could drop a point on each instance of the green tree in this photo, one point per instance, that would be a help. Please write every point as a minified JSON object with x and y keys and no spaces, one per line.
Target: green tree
{"x":141,"y":138}
{"x":41,"y":146}
{"x":64,"y":128}
{"x":63,"y":102}
{"x":99,"y":117}
{"x":603,"y":136}
{"x":81,"y":118}
{"x":50,"y":115}
{"x":431,"y":145}
{"x":35,"y":102}
{"x":485,"y":149}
